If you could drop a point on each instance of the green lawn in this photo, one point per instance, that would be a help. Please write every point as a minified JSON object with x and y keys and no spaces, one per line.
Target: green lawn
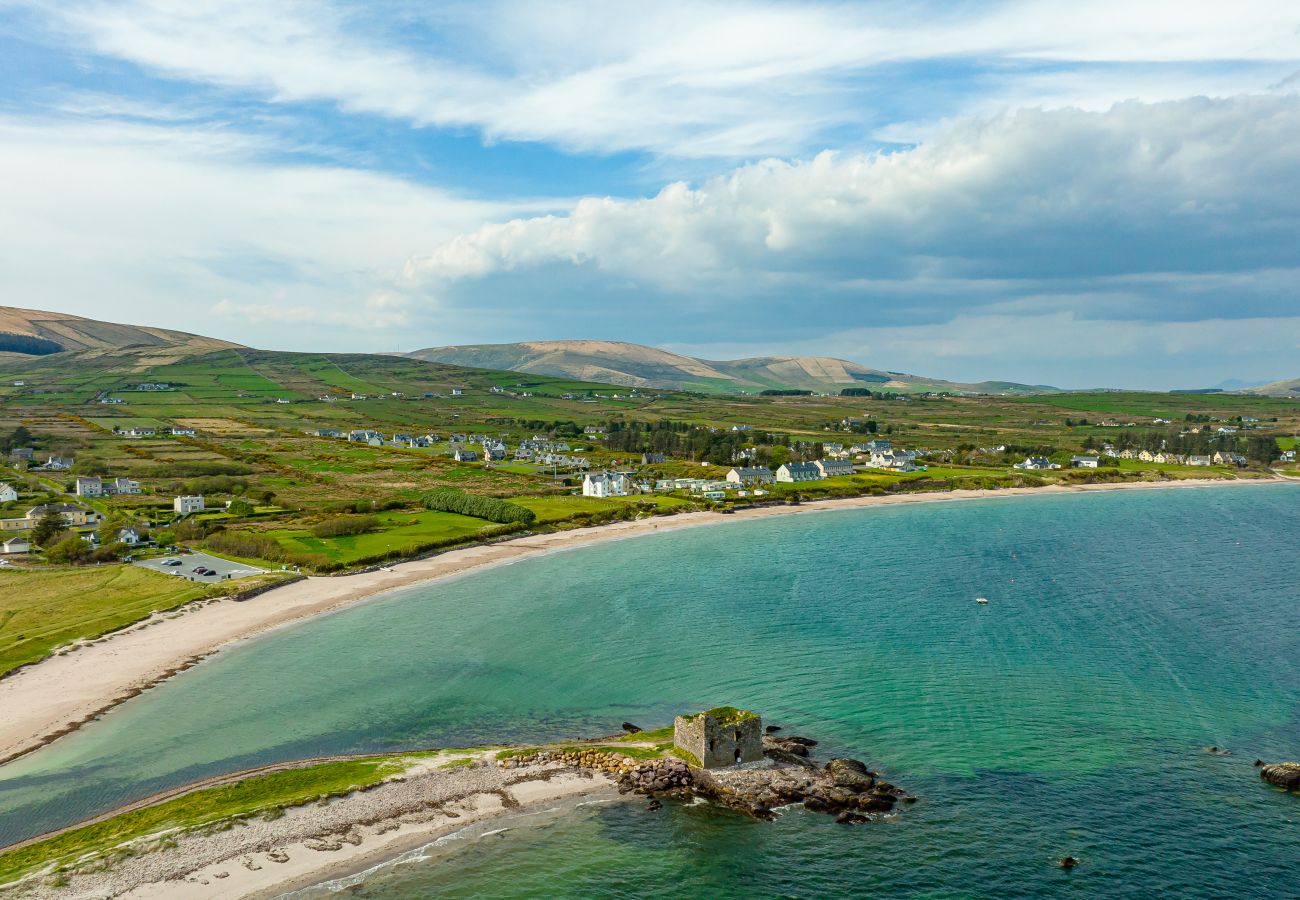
{"x":401,"y":531}
{"x":41,"y":610}
{"x":264,"y":794}
{"x":557,"y":509}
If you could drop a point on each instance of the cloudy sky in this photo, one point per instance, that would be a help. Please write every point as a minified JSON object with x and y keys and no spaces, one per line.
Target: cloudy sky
{"x":1073,"y":192}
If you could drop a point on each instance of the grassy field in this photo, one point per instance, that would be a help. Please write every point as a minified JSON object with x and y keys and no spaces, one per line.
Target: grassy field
{"x":260,"y":795}
{"x":41,"y":610}
{"x":400,"y":531}
{"x":557,"y":509}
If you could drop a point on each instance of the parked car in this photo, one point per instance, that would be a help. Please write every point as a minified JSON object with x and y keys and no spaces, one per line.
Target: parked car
{"x":199,"y":570}
{"x":171,"y":562}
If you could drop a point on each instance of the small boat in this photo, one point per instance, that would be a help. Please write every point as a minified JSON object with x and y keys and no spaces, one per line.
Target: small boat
{"x":981,"y":600}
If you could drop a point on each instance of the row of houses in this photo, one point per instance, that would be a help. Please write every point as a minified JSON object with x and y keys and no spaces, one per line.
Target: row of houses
{"x":90,"y":486}
{"x":73,"y":516}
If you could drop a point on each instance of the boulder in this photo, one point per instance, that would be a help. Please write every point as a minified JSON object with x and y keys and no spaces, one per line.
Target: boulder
{"x":1284,"y":775}
{"x":850,"y":774}
{"x":631,"y":729}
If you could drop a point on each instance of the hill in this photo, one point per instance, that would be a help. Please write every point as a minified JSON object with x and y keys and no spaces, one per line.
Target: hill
{"x":31,"y":332}
{"x":634,"y":365}
{"x":1289,"y":387}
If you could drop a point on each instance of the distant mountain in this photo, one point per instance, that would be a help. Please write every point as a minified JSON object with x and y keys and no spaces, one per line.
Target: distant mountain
{"x":1287,"y":388}
{"x":31,"y":332}
{"x":634,"y":365}
{"x":1237,"y":384}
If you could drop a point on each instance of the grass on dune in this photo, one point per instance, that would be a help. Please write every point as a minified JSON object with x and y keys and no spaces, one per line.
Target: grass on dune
{"x":41,"y":610}
{"x":260,"y":795}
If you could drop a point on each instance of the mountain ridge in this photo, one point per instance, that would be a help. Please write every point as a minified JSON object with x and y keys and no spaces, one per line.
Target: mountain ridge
{"x":33,"y":332}
{"x":637,"y":365}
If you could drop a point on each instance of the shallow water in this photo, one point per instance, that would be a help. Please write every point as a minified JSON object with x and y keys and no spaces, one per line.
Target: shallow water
{"x":1125,"y":632}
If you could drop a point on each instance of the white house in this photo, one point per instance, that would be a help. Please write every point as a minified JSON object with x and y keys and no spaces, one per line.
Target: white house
{"x":1035,"y":463}
{"x":90,"y":487}
{"x":1198,"y":460}
{"x":7,"y":493}
{"x":465,"y":456}
{"x":129,"y":536}
{"x":178,"y":431}
{"x":1287,"y":456}
{"x":749,"y":475}
{"x":186,"y":505}
{"x":16,"y":545}
{"x":604,"y":484}
{"x":124,"y":486}
{"x":833,"y":467}
{"x":796,"y":472}
{"x":1085,"y":462}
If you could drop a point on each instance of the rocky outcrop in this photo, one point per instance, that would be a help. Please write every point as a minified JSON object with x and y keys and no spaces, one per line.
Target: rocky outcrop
{"x":1284,"y":775}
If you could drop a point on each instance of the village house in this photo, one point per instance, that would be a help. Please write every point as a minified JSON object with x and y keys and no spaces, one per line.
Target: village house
{"x":7,"y":493}
{"x":791,"y":473}
{"x":1288,"y":456}
{"x":128,"y":536}
{"x":182,"y":431}
{"x":650,"y":459}
{"x":747,"y":476}
{"x":154,"y":386}
{"x":186,"y":505}
{"x":72,"y":514}
{"x":464,"y":455}
{"x":1035,"y":463}
{"x":593,"y":429}
{"x":1228,"y":458}
{"x":109,"y":401}
{"x":16,"y":545}
{"x":1196,"y":460}
{"x":21,"y":453}
{"x":830,"y":468}
{"x":89,"y":487}
{"x":1085,"y":462}
{"x":604,"y":484}
{"x":457,"y":392}
{"x":58,"y":464}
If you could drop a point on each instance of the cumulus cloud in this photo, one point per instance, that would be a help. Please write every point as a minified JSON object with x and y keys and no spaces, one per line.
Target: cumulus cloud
{"x":677,"y":78}
{"x":1189,"y":186}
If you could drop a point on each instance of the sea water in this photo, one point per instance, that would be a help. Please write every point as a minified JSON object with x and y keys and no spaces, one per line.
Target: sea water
{"x":1125,"y":633}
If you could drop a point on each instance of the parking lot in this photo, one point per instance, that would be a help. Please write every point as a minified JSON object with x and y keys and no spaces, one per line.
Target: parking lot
{"x":225,"y":569}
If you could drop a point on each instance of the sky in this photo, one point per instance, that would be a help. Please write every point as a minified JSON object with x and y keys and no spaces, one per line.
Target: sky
{"x":1089,"y":193}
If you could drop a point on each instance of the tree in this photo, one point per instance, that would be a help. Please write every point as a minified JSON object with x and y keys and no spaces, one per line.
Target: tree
{"x":69,"y":549}
{"x":47,"y":526}
{"x":240,"y":508}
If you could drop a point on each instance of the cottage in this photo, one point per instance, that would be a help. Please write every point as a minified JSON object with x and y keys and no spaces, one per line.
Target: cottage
{"x":181,"y":431}
{"x":650,"y":459}
{"x":593,"y":430}
{"x":751,"y":475}
{"x":7,"y":493}
{"x":1288,"y":456}
{"x":464,"y":456}
{"x":16,"y":545}
{"x":58,"y":463}
{"x":1085,"y":462}
{"x":1197,"y":460}
{"x":791,"y":473}
{"x":457,"y":392}
{"x":128,"y":536}
{"x":123,"y":486}
{"x":1035,"y":463}
{"x":831,"y":468}
{"x":604,"y":484}
{"x":72,"y":514}
{"x":186,"y":505}
{"x":719,"y":738}
{"x":21,"y":453}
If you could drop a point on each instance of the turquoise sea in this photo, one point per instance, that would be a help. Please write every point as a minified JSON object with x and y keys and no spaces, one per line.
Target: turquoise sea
{"x":1126,"y":631}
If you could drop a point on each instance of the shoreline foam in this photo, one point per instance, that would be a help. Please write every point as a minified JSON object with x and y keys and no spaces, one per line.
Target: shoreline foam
{"x":47,"y":700}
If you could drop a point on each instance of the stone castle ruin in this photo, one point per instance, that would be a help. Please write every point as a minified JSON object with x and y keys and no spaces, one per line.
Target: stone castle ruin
{"x":719,"y":737}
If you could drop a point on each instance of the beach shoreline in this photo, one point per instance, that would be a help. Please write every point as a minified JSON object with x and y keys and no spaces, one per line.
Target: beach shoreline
{"x":42,"y":702}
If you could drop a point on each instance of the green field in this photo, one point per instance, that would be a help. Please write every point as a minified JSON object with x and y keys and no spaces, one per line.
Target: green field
{"x":402,"y":532}
{"x":42,"y":610}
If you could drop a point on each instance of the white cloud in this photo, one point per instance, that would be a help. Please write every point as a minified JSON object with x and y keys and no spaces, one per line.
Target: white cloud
{"x":159,"y":225}
{"x":1192,"y":186}
{"x":676,"y":78}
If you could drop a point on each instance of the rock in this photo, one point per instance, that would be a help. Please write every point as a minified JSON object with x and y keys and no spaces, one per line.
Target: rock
{"x":1068,"y":862}
{"x":850,"y":818}
{"x":850,"y":774}
{"x":1284,"y":775}
{"x":794,"y":739}
{"x":772,"y":729}
{"x":873,"y":803}
{"x":631,"y":729}
{"x":1258,"y":763}
{"x":654,"y":806}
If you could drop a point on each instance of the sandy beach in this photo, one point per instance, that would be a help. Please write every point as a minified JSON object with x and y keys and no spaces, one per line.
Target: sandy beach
{"x":315,"y":843}
{"x":42,"y":702}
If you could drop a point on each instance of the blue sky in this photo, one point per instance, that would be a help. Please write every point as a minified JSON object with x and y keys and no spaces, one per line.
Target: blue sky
{"x":1089,"y":193}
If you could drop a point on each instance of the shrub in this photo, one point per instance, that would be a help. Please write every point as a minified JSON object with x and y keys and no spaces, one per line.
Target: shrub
{"x":345,"y":525}
{"x":490,"y":508}
{"x":69,"y":549}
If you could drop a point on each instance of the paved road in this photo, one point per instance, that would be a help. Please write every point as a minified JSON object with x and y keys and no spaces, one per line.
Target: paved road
{"x":225,"y":569}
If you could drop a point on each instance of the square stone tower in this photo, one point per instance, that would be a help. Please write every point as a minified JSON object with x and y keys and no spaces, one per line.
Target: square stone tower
{"x":720,"y":737}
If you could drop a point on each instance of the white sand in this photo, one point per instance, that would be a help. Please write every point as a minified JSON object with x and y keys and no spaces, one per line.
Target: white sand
{"x":40,"y":702}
